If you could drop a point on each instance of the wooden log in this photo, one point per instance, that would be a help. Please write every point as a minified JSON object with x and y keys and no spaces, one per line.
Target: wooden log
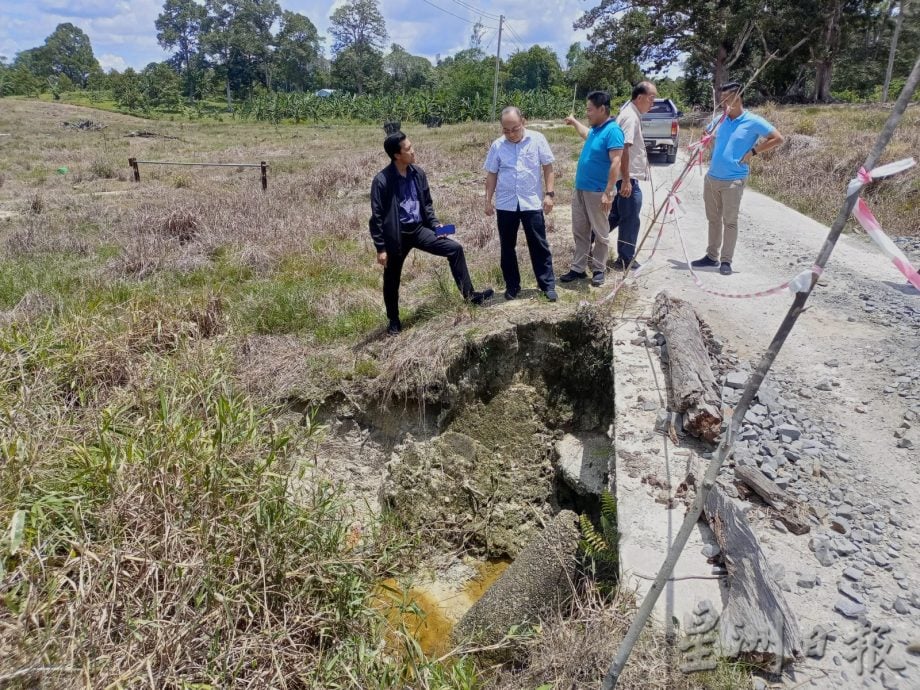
{"x":787,"y":508}
{"x":692,"y":385}
{"x":756,"y":622}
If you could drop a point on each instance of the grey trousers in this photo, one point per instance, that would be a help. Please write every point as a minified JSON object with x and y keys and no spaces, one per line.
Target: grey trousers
{"x":588,"y":215}
{"x":722,"y":199}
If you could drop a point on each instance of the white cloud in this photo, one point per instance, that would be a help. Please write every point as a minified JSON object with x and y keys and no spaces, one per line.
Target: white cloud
{"x":109,"y":61}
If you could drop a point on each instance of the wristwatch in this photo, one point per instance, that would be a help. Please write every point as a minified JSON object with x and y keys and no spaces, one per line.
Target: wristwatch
{"x":550,"y":194}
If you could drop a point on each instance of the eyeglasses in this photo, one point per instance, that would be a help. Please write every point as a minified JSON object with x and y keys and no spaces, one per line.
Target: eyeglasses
{"x":513,"y":130}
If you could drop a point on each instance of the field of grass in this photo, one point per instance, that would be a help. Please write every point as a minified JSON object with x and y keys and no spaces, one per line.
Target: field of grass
{"x":157,"y":528}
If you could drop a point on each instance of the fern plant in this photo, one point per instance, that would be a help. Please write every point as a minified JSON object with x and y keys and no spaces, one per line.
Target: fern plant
{"x":600,"y":546}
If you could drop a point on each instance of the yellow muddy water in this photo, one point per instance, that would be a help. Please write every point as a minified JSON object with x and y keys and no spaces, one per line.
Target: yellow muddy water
{"x":429,"y":610}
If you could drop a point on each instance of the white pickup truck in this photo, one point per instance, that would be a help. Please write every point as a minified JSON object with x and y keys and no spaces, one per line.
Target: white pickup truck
{"x":661,"y":128}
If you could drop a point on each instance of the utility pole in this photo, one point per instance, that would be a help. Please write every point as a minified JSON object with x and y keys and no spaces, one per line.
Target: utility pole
{"x":498,"y":53}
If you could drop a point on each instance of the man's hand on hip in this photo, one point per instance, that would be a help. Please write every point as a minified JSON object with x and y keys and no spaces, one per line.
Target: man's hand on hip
{"x":382,"y":259}
{"x":626,"y":188}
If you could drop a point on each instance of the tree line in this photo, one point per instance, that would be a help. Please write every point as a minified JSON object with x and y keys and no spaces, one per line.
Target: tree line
{"x":241,"y":50}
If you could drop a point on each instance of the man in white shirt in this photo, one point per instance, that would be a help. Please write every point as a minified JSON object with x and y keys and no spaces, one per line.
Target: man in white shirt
{"x":519,"y":175}
{"x":627,"y":207}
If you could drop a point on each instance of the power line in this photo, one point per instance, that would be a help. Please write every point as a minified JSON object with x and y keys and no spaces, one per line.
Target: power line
{"x":491,"y":41}
{"x":475,"y":10}
{"x":515,"y":35}
{"x":457,"y":16}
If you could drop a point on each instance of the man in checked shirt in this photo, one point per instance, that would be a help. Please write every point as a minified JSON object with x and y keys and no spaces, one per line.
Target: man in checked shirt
{"x":519,"y":189}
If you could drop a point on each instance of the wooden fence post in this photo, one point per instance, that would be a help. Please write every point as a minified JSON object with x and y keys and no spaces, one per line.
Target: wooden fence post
{"x":137,"y":173}
{"x":264,"y":166}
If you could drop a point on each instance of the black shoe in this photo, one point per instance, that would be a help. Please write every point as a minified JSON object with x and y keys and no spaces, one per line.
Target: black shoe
{"x":511,"y":294}
{"x":725,"y":269}
{"x":551,"y":295}
{"x":621,"y":264}
{"x":572,"y":275}
{"x":705,"y":262}
{"x":597,"y":279}
{"x":394,"y":328}
{"x":480,"y":297}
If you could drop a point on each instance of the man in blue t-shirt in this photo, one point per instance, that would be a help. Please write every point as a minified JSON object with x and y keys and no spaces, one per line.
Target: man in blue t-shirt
{"x":595,"y":182}
{"x":735,"y":145}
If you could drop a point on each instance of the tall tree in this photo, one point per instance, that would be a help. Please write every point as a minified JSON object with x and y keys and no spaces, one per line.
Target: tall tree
{"x":299,"y":51}
{"x":659,"y":32}
{"x":251,"y":36}
{"x":179,"y":27}
{"x":359,"y":34}
{"x":407,"y":71}
{"x":216,"y":39}
{"x":67,"y":51}
{"x":532,"y":69}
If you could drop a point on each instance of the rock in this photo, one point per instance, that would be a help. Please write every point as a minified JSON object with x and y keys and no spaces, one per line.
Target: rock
{"x":853,"y":574}
{"x":789,"y":431}
{"x":846,"y":589}
{"x":844,"y":546}
{"x":710,"y":550}
{"x":905,"y":443}
{"x":807,"y":579}
{"x":536,"y":583}
{"x":832,"y":363}
{"x":780,"y":527}
{"x":901,"y":606}
{"x":824,"y":555}
{"x":649,"y":406}
{"x":840,"y":525}
{"x":913,"y":647}
{"x":849,"y":608}
{"x":845,"y":510}
{"x":662,"y":421}
{"x":882,"y":560}
{"x":824,"y":385}
{"x":736,"y":379}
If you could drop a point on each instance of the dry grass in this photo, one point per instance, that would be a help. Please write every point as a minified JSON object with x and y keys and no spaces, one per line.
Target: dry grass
{"x":825,"y":148}
{"x":575,"y":648}
{"x":160,"y":546}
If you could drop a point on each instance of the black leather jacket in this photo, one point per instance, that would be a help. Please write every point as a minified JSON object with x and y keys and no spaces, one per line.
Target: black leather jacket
{"x":384,"y":222}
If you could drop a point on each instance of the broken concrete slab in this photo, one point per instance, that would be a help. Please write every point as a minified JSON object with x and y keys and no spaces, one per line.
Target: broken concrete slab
{"x":536,"y":583}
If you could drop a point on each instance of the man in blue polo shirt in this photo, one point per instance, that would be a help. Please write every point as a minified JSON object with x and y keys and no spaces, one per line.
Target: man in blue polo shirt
{"x":735,"y":145}
{"x":595,"y":182}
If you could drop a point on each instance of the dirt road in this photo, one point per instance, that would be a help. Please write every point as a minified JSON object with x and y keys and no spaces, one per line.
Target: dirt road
{"x":849,"y":375}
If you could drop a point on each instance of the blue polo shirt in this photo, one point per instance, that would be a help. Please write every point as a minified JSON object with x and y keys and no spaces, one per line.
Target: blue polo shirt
{"x":594,"y":161}
{"x":734,"y":138}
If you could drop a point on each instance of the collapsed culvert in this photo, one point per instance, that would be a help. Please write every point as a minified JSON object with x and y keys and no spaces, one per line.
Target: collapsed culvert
{"x":503,"y":474}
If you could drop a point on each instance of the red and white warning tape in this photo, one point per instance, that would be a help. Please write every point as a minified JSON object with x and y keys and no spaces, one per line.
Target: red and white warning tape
{"x":865,"y":217}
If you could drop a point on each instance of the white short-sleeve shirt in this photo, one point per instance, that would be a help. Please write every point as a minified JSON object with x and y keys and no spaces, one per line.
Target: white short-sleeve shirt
{"x":520,"y":171}
{"x":630,"y":121}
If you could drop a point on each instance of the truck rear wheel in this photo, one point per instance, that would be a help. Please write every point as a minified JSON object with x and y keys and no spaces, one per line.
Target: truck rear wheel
{"x":672,"y":154}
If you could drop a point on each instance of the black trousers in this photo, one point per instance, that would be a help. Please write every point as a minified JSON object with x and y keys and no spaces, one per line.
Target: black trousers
{"x":424,"y":239}
{"x":540,"y":257}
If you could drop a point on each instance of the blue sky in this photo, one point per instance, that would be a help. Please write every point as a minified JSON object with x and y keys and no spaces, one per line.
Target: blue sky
{"x":123,"y":33}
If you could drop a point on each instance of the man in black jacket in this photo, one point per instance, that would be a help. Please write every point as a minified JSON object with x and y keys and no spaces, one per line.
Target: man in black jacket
{"x":402,"y":218}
